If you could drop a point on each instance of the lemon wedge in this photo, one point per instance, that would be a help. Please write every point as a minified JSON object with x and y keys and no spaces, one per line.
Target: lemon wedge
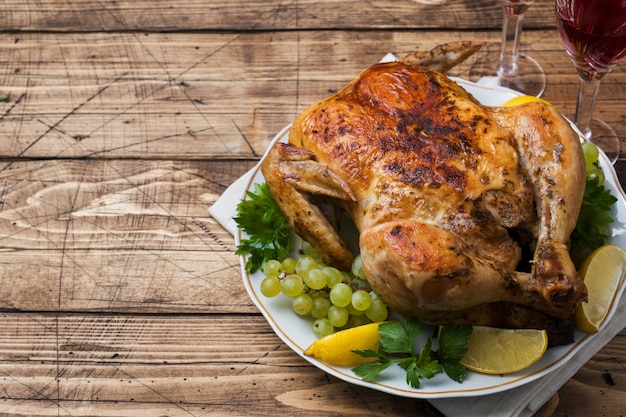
{"x":336,"y":348}
{"x":601,"y":272}
{"x":501,"y":351}
{"x":516,"y":101}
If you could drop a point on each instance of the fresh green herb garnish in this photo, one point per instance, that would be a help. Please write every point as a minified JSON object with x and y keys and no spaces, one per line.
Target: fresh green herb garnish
{"x":269,"y":231}
{"x":397,"y":345}
{"x":591,"y":229}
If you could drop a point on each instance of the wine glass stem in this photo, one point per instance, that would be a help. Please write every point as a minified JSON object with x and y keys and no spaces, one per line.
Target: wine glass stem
{"x":587,"y":92}
{"x":511,"y":34}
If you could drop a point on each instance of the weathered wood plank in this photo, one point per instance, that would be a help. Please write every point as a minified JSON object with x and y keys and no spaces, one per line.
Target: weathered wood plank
{"x":111,"y":235}
{"x":146,"y":366}
{"x":87,"y":205}
{"x":139,"y":280}
{"x":201,"y":96}
{"x":167,"y":15}
{"x":197,"y":365}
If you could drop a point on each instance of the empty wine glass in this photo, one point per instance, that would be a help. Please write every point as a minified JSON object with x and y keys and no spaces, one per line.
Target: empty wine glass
{"x":594,"y":35}
{"x":509,"y":68}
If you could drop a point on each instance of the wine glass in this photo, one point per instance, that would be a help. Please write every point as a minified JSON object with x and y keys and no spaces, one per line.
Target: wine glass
{"x":509,"y":68}
{"x":594,"y":35}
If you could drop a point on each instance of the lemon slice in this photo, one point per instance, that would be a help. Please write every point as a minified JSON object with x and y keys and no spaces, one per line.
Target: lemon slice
{"x":516,"y":101}
{"x":502,"y":351}
{"x":336,"y":348}
{"x":601,"y":272}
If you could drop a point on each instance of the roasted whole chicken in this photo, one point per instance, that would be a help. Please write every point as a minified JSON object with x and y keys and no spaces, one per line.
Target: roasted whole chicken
{"x":464,"y":211}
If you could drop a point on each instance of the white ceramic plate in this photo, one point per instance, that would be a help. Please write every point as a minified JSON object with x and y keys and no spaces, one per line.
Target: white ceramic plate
{"x":297,"y":334}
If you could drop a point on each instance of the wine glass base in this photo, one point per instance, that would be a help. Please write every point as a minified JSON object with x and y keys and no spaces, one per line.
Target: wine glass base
{"x":528,"y":78}
{"x":605,"y":138}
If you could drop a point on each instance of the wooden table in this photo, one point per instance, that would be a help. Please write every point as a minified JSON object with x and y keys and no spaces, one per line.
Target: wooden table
{"x":123,"y":122}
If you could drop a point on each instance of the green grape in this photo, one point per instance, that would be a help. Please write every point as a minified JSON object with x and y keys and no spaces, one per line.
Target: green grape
{"x":316,"y":279}
{"x":353,"y":311}
{"x":302,"y":304}
{"x":357,"y":267}
{"x":270,"y":287}
{"x":377,"y":311}
{"x":597,"y":172}
{"x":361,"y":284}
{"x":305,"y":264}
{"x":289,"y":265}
{"x":272,"y":268}
{"x":320,"y":307}
{"x":591,"y":153}
{"x":333,"y":276}
{"x":341,"y":295}
{"x":322,"y":327}
{"x":361,"y":300}
{"x":292,"y":285}
{"x":308,"y":250}
{"x":338,"y":316}
{"x":359,"y":320}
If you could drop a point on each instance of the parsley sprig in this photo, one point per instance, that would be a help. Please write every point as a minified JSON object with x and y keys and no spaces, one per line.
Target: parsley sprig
{"x":269,"y":231}
{"x":591,"y":227}
{"x":397,"y":345}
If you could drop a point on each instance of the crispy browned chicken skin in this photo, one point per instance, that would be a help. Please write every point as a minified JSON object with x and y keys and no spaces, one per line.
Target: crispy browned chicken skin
{"x":445,"y":193}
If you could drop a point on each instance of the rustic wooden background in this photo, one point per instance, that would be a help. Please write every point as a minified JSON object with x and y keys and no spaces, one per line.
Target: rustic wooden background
{"x":121,"y":123}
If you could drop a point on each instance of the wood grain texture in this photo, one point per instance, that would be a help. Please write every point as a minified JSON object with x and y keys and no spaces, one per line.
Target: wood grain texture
{"x":204,"y":96}
{"x":124,"y":121}
{"x":261,"y":15}
{"x":116,"y":235}
{"x":175,"y":366}
{"x":180,"y":365}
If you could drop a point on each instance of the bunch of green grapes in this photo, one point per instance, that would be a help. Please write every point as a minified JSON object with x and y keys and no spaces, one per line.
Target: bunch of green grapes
{"x":335,"y":299}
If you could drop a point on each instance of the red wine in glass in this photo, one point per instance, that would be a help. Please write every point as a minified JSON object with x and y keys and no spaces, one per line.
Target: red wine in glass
{"x":593,"y":33}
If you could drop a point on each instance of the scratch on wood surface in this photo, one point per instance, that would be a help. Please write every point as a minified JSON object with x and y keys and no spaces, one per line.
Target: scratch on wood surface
{"x":95,"y":254}
{"x":245,"y":138}
{"x":225,"y":246}
{"x":67,"y":115}
{"x":113,"y":363}
{"x":122,"y":102}
{"x":12,"y":106}
{"x":177,"y":81}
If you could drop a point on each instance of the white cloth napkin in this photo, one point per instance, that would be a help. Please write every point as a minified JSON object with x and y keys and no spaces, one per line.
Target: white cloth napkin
{"x":522,"y":401}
